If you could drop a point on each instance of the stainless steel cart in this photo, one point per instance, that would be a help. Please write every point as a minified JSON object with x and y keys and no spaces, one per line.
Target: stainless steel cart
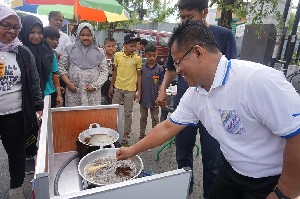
{"x":59,"y":131}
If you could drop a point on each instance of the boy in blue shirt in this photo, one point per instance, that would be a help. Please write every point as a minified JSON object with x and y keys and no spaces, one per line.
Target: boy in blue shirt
{"x":53,"y":86}
{"x":152,"y":76}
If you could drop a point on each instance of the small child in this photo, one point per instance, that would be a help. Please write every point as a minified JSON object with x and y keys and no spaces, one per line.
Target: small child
{"x":152,"y":76}
{"x":52,"y":38}
{"x":83,"y":67}
{"x":110,"y":47}
{"x":125,"y":84}
{"x":140,"y":47}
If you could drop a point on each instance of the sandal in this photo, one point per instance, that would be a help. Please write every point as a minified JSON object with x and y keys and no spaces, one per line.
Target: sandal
{"x":124,"y":142}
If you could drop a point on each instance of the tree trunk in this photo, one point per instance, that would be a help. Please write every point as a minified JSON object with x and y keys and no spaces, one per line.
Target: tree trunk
{"x":225,"y":20}
{"x":226,"y":15}
{"x":110,"y":32}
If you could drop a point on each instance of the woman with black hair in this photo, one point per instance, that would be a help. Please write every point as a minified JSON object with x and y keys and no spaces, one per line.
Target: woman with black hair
{"x":32,"y":36}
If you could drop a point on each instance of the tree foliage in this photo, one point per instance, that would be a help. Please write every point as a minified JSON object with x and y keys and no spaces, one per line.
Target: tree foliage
{"x":290,"y":24}
{"x":259,"y":9}
{"x":155,"y":12}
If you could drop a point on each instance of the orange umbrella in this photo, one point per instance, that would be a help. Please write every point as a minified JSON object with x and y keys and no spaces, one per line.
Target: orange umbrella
{"x":89,"y":14}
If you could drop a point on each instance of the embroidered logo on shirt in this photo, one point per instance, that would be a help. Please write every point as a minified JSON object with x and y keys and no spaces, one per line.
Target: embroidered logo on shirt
{"x":231,"y":121}
{"x":155,"y":78}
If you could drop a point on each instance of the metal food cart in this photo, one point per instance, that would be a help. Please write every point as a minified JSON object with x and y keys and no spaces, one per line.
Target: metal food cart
{"x":57,"y":143}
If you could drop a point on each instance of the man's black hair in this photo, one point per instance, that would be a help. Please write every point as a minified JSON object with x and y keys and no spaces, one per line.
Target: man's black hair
{"x":51,"y":33}
{"x":109,"y":39}
{"x":150,"y":48}
{"x":190,"y":33}
{"x":144,"y":42}
{"x":53,"y":14}
{"x":200,"y":5}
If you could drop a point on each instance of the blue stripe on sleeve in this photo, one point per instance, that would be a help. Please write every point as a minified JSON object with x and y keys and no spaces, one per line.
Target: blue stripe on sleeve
{"x":226,"y":73}
{"x":291,"y":134}
{"x":183,"y":124}
{"x":296,"y":115}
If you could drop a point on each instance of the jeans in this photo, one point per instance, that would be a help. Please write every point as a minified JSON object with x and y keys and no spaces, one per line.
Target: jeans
{"x":13,"y":140}
{"x":210,"y":150}
{"x":230,"y":184}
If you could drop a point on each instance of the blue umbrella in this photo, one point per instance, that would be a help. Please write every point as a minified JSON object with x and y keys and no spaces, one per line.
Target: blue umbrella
{"x":27,"y":7}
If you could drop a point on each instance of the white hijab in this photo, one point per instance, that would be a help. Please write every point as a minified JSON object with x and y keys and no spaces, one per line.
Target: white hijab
{"x":4,"y":13}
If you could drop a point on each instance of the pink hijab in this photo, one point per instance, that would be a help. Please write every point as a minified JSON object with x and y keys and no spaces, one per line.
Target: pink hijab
{"x":4,"y":13}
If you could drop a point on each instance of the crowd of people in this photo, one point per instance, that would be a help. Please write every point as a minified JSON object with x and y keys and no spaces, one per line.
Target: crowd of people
{"x":246,"y":113}
{"x":41,"y":61}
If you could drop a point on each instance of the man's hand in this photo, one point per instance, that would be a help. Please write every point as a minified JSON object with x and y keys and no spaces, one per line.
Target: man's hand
{"x":161,"y":99}
{"x":124,"y":153}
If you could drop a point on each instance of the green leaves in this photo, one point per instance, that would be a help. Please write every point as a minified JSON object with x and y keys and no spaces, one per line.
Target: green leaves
{"x":258,"y":9}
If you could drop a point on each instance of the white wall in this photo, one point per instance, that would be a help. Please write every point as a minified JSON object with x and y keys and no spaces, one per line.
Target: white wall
{"x":211,"y":16}
{"x":271,"y":19}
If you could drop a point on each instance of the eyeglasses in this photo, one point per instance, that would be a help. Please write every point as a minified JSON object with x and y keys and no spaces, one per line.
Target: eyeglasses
{"x":177,"y":64}
{"x":6,"y":26}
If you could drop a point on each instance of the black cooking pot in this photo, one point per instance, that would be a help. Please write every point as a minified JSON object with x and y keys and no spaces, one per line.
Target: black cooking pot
{"x":84,"y":148}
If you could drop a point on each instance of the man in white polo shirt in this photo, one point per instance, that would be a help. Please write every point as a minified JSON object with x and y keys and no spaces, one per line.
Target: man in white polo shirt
{"x":251,"y":110}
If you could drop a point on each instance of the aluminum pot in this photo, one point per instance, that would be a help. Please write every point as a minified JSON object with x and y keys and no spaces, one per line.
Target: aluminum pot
{"x":98,"y":130}
{"x":110,"y":152}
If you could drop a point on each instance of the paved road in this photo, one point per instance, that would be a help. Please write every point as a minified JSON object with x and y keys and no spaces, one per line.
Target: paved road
{"x":166,"y":163}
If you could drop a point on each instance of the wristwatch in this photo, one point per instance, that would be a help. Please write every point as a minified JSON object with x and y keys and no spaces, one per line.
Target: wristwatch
{"x":279,"y":194}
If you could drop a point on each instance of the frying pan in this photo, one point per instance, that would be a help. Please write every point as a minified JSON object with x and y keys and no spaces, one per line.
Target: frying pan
{"x":109,"y":152}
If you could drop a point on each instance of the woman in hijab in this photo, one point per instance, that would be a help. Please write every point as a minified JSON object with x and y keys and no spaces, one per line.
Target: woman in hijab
{"x":20,"y":97}
{"x":83,"y":68}
{"x":32,"y":36}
